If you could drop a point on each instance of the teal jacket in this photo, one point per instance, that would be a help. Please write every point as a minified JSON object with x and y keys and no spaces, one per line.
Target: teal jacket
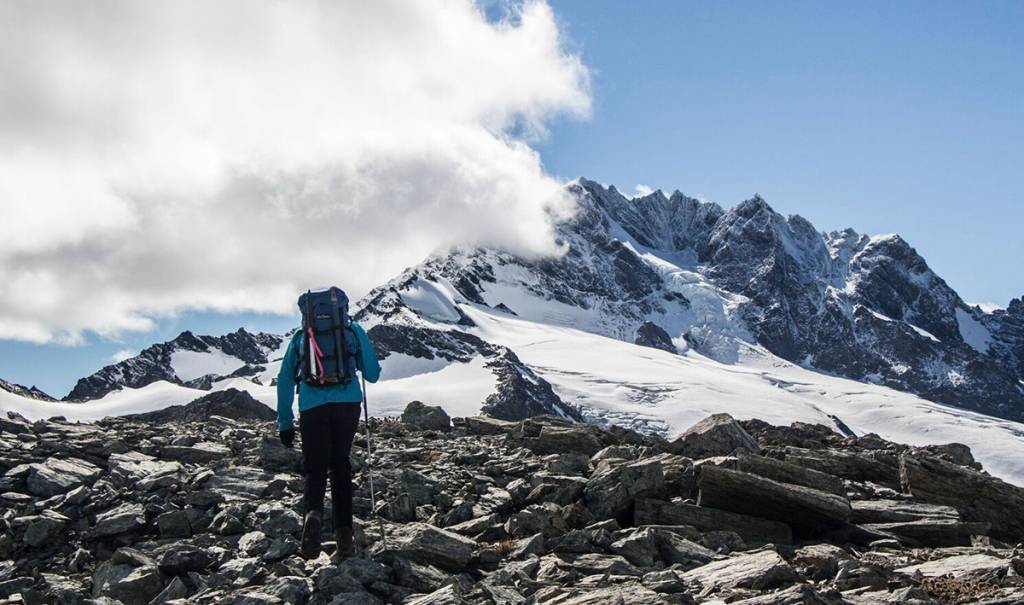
{"x":311,"y":396}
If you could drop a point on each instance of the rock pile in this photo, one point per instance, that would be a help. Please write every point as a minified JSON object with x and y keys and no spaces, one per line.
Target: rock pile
{"x":542,"y":511}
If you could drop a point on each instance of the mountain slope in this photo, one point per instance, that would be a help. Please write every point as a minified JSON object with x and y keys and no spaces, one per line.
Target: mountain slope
{"x":29,"y":392}
{"x":758,"y":315}
{"x":867,"y":308}
{"x":188,"y":360}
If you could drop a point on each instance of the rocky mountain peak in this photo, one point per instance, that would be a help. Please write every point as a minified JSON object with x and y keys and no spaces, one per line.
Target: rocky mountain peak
{"x":157,"y":362}
{"x":30,"y":392}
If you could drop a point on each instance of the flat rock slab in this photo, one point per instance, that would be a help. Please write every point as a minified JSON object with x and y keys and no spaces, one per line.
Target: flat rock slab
{"x":124,"y":518}
{"x":126,"y":583}
{"x":482,"y":425}
{"x":200,"y":453}
{"x":753,"y":530}
{"x":589,"y":564}
{"x":239,"y":483}
{"x":557,"y":437}
{"x":801,"y":594}
{"x":804,"y":508}
{"x":957,"y":565}
{"x":133,"y":467}
{"x":875,"y":466}
{"x":927,"y":532}
{"x":787,"y":472}
{"x":58,"y":476}
{"x":433,"y":546}
{"x":627,"y":594}
{"x":977,"y":495}
{"x":759,"y":570}
{"x":894,"y":511}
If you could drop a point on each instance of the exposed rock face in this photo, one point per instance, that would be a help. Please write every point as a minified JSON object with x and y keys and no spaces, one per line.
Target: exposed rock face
{"x":650,"y":334}
{"x":30,"y":392}
{"x":542,"y":511}
{"x":155,"y":363}
{"x":1007,"y":329}
{"x":520,"y":393}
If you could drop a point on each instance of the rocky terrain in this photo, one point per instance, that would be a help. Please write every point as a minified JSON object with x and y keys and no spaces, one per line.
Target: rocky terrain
{"x":182,"y":508}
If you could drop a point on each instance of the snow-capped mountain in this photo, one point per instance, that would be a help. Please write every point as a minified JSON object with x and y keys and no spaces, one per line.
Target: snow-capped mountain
{"x":23,"y":391}
{"x":741,"y":311}
{"x":1005,"y":335}
{"x":866,"y":308}
{"x":188,"y":360}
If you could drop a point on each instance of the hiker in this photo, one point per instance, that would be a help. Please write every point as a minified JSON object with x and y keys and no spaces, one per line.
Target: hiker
{"x":322,"y":360}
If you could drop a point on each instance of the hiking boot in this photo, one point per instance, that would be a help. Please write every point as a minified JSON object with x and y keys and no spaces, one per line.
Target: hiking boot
{"x":345,"y":548}
{"x":311,"y":535}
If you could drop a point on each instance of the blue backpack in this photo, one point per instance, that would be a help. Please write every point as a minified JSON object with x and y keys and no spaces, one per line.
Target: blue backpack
{"x":328,"y":352}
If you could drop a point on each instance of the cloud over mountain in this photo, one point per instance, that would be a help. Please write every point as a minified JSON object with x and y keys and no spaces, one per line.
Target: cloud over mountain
{"x":157,"y":157}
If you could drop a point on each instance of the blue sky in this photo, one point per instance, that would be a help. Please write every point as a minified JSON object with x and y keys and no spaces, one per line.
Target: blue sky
{"x":885,"y":117}
{"x":903,"y":117}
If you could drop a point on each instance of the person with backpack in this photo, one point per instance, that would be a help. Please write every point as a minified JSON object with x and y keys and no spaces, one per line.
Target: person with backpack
{"x":321,"y":364}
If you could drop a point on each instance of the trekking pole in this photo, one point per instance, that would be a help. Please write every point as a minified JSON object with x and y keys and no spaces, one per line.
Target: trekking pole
{"x":369,"y":465}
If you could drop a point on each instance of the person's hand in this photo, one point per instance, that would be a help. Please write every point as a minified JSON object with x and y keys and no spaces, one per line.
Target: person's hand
{"x":288,"y":437}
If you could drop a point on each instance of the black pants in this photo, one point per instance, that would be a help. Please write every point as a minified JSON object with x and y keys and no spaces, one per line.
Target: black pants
{"x":327,"y":432}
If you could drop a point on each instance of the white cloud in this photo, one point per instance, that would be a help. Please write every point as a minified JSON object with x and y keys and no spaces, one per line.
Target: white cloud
{"x":226,"y":155}
{"x":122,"y":355}
{"x":642,"y":190}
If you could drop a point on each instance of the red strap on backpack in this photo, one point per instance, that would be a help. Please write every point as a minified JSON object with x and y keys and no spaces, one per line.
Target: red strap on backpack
{"x":318,"y":354}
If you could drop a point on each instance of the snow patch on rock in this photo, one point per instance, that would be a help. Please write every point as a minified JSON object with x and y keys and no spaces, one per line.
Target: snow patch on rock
{"x":973,"y":332}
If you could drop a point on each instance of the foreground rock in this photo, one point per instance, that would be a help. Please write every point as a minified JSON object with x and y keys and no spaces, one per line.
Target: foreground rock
{"x":805,"y":508}
{"x":976,"y":495}
{"x":716,"y":435}
{"x":426,"y":417}
{"x":479,"y":511}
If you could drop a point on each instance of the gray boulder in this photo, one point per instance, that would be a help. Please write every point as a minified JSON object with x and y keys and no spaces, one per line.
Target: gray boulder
{"x":549,"y":435}
{"x":434,"y":546}
{"x":282,"y":522}
{"x":426,"y":417}
{"x":182,"y":558}
{"x":128,"y":577}
{"x":132,"y":468}
{"x":124,"y":518}
{"x":199,"y":453}
{"x":57,"y":476}
{"x":645,"y":546}
{"x":612,"y":490}
{"x":43,"y":528}
{"x":174,"y":524}
{"x":757,"y":570}
{"x":274,"y":456}
{"x":716,"y":435}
